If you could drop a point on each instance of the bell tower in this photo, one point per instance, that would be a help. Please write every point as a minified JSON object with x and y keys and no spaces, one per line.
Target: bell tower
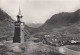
{"x":19,"y":29}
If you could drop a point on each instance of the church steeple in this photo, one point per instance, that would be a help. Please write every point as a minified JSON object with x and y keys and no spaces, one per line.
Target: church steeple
{"x":19,"y":29}
{"x":19,"y":16}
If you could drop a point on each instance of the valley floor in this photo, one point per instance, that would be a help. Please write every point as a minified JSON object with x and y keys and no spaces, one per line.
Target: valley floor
{"x":32,"y":48}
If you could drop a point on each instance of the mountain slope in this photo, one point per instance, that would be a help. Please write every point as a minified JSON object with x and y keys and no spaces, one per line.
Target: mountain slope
{"x":61,"y":19}
{"x":6,"y":25}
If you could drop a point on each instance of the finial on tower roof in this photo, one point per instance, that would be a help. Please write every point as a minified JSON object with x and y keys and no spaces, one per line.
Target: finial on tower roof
{"x":19,"y":11}
{"x":19,"y":14}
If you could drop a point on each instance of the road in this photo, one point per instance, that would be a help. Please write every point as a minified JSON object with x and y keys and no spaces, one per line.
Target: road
{"x":66,"y":51}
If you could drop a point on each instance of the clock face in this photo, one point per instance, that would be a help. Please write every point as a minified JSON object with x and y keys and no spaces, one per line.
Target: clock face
{"x":22,"y":23}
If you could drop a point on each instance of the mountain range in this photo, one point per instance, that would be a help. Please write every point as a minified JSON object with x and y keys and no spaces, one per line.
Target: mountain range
{"x":34,"y":25}
{"x":63,"y":25}
{"x":62,"y":22}
{"x":61,"y":19}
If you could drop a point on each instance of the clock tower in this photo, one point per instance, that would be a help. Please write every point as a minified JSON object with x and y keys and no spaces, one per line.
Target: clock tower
{"x":19,"y":29}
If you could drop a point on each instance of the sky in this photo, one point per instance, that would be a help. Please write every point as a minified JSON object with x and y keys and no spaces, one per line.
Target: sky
{"x":38,"y":11}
